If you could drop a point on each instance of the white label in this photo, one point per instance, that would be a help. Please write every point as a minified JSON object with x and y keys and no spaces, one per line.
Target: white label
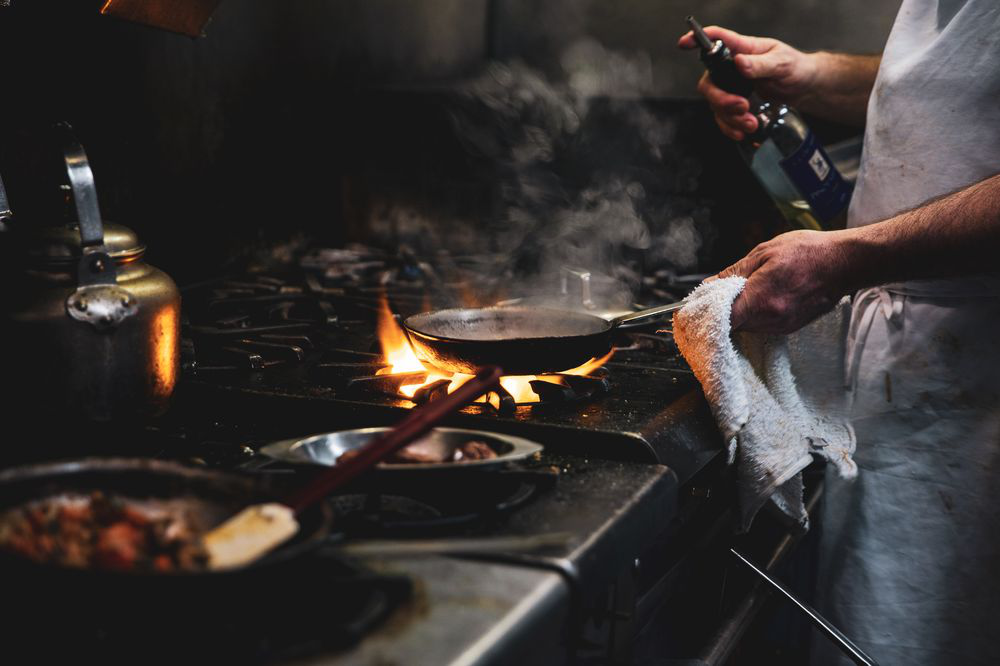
{"x":819,"y":165}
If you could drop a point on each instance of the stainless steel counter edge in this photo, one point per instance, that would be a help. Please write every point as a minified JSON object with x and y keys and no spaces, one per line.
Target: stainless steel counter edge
{"x":463,"y":613}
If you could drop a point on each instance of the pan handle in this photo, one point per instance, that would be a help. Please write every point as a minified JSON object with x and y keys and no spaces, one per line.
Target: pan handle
{"x":650,"y":312}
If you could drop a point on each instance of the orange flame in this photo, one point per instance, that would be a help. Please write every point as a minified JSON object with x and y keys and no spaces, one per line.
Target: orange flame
{"x":396,"y":349}
{"x":590,"y":366}
{"x":400,"y":358}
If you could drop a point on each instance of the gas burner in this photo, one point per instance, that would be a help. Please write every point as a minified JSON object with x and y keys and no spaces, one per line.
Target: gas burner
{"x":253,"y":323}
{"x":530,"y":391}
{"x":661,"y":342}
{"x":412,"y":506}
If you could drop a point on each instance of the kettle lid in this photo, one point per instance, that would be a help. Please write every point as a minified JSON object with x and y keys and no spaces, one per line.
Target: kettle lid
{"x":59,"y":246}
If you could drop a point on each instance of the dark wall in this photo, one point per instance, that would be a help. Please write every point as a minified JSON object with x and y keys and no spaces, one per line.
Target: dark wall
{"x":262,"y":130}
{"x":541,"y":30}
{"x":206,"y":146}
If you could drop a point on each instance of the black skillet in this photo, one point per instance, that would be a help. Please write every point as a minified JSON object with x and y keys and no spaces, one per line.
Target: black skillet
{"x":213,"y":495}
{"x":522,"y":340}
{"x":145,"y":617}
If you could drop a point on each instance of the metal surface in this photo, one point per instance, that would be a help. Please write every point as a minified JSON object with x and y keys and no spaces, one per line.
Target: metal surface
{"x":647,"y":313}
{"x":5,"y":212}
{"x":326,"y":448}
{"x":102,"y":344}
{"x":522,"y":340}
{"x":98,"y":300}
{"x":57,"y":247}
{"x":845,"y":644}
{"x":465,"y":613}
{"x":103,"y":306}
{"x":729,"y":634}
{"x":458,"y":546}
{"x":81,"y":180}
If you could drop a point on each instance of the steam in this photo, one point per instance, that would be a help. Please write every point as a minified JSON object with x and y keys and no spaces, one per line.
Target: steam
{"x":577,"y":162}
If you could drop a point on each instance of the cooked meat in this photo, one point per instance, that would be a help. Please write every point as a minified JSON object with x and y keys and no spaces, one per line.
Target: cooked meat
{"x":474,"y":450}
{"x":414,"y":454}
{"x":348,"y":455}
{"x":430,"y":450}
{"x":102,"y":532}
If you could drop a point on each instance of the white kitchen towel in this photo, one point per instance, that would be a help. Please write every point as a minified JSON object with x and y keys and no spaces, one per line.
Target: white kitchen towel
{"x":770,"y":428}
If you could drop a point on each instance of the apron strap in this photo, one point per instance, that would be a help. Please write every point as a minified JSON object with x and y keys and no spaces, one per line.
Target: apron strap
{"x":866,"y":304}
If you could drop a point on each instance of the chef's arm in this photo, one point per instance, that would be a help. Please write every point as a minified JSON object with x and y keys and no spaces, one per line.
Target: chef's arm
{"x":957,"y":234}
{"x":834,"y":86}
{"x":795,"y":277}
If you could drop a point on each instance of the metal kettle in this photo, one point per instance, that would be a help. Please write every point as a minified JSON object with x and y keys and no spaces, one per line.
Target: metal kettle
{"x":95,"y":330}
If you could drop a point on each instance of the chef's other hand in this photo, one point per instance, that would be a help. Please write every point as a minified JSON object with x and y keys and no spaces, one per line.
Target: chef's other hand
{"x":791,"y":279}
{"x":780,"y":73}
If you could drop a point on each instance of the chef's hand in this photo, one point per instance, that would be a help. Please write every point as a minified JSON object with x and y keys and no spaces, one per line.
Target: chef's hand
{"x":780,"y":73}
{"x":791,"y":279}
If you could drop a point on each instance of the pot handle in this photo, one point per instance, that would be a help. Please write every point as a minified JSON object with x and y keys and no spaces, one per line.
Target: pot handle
{"x":5,"y":212}
{"x":96,"y":266}
{"x":650,"y":312}
{"x":98,"y":300}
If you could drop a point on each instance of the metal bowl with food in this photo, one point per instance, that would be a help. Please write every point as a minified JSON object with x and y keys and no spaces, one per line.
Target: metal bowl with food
{"x":442,"y":449}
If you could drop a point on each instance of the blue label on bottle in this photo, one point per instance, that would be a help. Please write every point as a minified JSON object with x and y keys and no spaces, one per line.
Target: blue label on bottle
{"x":817,"y":180}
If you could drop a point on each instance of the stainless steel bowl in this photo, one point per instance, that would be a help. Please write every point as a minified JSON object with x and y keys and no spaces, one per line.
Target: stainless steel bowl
{"x":324,"y":449}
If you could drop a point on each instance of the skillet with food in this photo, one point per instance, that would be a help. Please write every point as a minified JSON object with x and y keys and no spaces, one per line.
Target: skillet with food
{"x":301,"y":591}
{"x":115,"y":507}
{"x":522,"y":340}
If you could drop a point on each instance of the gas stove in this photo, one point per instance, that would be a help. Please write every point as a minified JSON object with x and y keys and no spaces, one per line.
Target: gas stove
{"x":306,"y":338}
{"x":631,"y":453}
{"x":631,"y":479}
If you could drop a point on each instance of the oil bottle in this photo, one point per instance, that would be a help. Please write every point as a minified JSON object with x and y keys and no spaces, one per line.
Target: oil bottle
{"x":783,"y":152}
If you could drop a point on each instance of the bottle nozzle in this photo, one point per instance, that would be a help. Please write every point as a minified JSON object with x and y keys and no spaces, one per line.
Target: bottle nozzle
{"x":699,"y":34}
{"x":719,"y":62}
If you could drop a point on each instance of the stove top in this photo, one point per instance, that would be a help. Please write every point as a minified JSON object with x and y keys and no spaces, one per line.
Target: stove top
{"x":302,"y":343}
{"x":293,"y":351}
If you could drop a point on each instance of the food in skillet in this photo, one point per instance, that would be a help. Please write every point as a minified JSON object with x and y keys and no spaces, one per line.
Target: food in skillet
{"x":431,"y":450}
{"x":99,"y":531}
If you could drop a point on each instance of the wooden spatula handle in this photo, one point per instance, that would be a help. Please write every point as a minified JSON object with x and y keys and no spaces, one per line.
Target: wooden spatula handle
{"x":417,"y":423}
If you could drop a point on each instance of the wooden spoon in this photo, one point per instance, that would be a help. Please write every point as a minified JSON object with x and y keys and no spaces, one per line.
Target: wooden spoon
{"x":260,"y":528}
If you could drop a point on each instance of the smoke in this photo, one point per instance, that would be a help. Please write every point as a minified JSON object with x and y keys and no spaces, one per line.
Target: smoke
{"x":579,"y":165}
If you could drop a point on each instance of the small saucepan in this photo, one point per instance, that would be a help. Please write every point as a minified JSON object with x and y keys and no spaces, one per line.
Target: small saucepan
{"x":522,"y":340}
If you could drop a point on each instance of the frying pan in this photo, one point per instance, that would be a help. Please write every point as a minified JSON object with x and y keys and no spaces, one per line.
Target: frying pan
{"x":210,"y":494}
{"x":69,"y":615}
{"x":520,"y":339}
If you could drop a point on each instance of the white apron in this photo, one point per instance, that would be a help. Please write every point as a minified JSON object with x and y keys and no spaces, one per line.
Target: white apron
{"x":910,"y":563}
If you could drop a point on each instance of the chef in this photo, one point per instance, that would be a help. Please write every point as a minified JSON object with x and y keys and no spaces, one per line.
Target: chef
{"x":910,"y":567}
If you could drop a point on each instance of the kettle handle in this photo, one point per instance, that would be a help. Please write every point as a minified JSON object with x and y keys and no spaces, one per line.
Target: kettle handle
{"x":5,"y":212}
{"x":97,"y":300}
{"x":96,"y":266}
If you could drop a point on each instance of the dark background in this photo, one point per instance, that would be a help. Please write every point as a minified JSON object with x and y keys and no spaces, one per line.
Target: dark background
{"x":298,"y":120}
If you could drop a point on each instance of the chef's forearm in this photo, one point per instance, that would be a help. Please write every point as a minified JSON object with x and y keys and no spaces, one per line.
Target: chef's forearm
{"x":840,"y":87}
{"x":957,"y":234}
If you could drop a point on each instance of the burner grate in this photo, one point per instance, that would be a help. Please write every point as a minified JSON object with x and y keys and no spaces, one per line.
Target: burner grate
{"x":555,"y":388}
